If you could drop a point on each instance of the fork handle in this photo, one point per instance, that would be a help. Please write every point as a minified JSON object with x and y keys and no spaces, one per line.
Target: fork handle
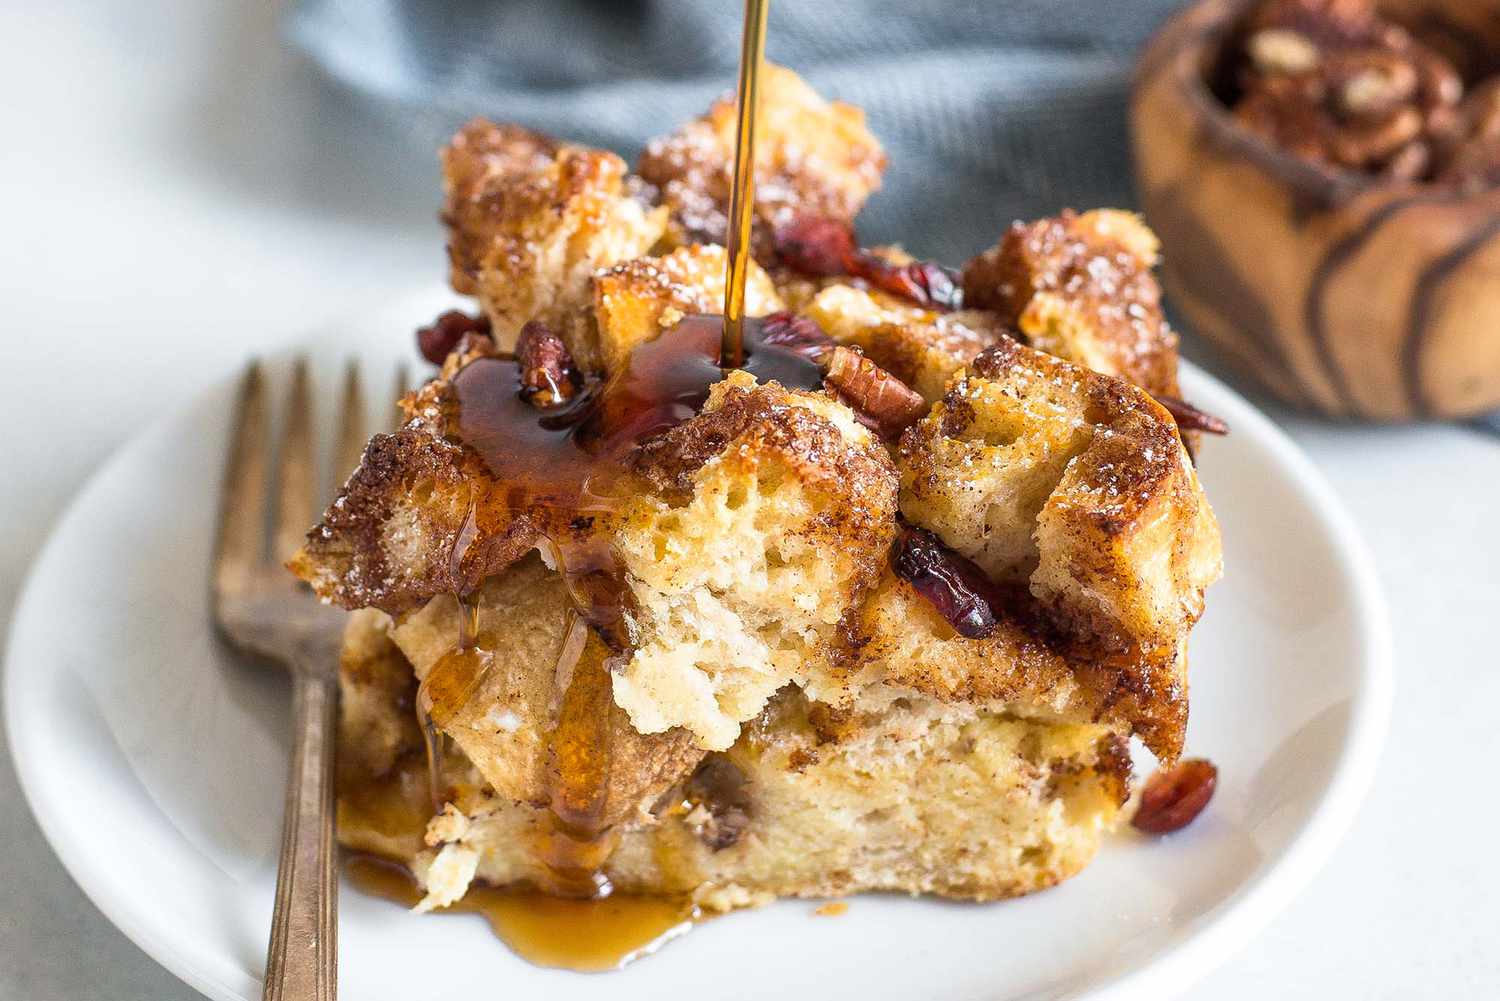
{"x":302,"y":958}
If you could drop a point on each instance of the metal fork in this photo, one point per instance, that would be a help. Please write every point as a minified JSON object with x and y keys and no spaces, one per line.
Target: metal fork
{"x":262,"y":610}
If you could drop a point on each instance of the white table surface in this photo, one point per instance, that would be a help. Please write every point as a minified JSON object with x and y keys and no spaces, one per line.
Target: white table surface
{"x":176,"y":193}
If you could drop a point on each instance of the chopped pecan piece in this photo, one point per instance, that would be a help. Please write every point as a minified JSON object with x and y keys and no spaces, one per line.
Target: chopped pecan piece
{"x":1334,"y":82}
{"x":873,"y":392}
{"x":548,"y":375}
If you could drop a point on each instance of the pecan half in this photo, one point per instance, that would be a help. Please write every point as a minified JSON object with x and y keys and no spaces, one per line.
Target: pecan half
{"x":1363,"y":144}
{"x":872,"y":391}
{"x":548,"y":376}
{"x":1173,"y":797}
{"x":1371,"y":83}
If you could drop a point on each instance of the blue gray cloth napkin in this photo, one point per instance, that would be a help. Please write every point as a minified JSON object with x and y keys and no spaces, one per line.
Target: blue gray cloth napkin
{"x":989,"y":111}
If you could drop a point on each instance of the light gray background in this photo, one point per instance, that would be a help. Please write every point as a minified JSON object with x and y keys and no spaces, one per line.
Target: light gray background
{"x":177,"y":192}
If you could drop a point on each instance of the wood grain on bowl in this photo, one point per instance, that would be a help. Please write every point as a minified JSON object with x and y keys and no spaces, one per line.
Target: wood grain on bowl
{"x":1339,"y":291}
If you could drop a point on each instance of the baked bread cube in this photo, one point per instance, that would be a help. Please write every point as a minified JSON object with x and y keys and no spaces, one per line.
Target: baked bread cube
{"x":387,"y":541}
{"x":530,"y":219}
{"x":1076,"y":487}
{"x":811,"y":157}
{"x":635,"y":301}
{"x":1080,"y":287}
{"x":532,"y":655}
{"x":772,"y":513}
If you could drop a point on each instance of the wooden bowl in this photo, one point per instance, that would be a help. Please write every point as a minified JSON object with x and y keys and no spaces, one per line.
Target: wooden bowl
{"x":1343,"y":293}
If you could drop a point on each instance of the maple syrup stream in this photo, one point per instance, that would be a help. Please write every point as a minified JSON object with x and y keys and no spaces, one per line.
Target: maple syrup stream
{"x":742,"y":194}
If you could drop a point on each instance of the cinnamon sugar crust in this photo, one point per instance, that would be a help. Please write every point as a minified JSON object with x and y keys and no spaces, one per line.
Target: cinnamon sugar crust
{"x":1075,"y":488}
{"x":529,"y":221}
{"x":388,"y":540}
{"x":811,"y":156}
{"x":1080,"y":287}
{"x":635,"y":301}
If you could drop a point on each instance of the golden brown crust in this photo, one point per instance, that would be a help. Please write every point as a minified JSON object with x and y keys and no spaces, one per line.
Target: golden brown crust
{"x":481,"y":163}
{"x":388,"y":540}
{"x":636,"y":301}
{"x":1026,"y":666}
{"x":1074,"y":487}
{"x":763,"y":423}
{"x":811,"y":156}
{"x":1080,"y":287}
{"x":768,"y":516}
{"x":530,"y":220}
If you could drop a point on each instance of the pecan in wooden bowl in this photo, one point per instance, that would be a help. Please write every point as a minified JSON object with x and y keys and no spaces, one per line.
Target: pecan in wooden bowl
{"x":1325,"y":178}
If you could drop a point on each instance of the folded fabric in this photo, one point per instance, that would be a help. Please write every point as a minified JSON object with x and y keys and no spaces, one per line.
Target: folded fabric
{"x":990,"y":111}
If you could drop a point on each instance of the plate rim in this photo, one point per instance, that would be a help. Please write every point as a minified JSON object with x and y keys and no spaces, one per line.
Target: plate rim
{"x":1225,"y":930}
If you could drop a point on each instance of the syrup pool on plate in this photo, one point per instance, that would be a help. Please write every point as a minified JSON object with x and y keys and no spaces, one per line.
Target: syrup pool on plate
{"x":588,"y":936}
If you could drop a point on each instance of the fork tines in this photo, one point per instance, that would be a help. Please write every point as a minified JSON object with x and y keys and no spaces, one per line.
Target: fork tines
{"x":247,"y":554}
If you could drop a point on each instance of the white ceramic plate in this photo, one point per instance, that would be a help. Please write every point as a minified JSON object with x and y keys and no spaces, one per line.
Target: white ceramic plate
{"x":154,"y":759}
